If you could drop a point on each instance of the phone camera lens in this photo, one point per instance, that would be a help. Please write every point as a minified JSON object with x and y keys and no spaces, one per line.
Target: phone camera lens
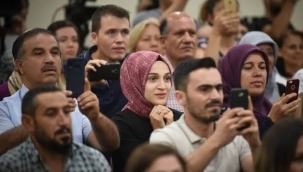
{"x":293,"y":87}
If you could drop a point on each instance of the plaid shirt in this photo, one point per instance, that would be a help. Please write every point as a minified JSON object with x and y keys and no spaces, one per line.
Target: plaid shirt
{"x":25,"y":158}
{"x":172,"y":102}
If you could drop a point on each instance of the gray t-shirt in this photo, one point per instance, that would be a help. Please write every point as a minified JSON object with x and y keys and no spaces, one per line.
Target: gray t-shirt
{"x":185,"y":141}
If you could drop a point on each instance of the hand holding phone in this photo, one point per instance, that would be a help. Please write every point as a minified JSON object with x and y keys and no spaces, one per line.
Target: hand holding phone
{"x":292,"y":86}
{"x":231,"y":5}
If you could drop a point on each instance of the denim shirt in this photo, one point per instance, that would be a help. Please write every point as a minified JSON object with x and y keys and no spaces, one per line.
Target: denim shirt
{"x":10,"y":117}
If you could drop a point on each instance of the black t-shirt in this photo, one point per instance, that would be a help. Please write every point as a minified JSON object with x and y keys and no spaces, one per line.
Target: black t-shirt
{"x":134,"y":131}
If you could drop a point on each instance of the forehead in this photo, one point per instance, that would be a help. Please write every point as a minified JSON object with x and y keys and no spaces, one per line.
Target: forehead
{"x":54,"y":99}
{"x":204,"y":76}
{"x":68,"y":30}
{"x":254,"y":57}
{"x":159,"y":66}
{"x":44,"y":41}
{"x":181,"y":23}
{"x":113,"y":22}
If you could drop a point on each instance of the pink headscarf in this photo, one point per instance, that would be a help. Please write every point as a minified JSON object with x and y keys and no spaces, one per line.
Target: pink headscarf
{"x":133,"y":77}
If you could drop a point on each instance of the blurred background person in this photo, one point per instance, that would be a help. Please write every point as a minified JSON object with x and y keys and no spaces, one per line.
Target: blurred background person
{"x":155,"y":158}
{"x":282,"y":148}
{"x":145,"y":36}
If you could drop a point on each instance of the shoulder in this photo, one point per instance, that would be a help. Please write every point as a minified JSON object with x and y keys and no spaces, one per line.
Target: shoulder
{"x":91,"y":156}
{"x":166,"y":134}
{"x":9,"y":159}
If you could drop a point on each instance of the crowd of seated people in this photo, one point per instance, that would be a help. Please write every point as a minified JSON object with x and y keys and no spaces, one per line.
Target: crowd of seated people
{"x":164,"y":95}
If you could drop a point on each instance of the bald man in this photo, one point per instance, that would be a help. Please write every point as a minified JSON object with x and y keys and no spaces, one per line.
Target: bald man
{"x":179,"y":39}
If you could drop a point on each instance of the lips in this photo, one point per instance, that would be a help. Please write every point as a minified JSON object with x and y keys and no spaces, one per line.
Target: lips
{"x":161,"y":95}
{"x":257,"y":83}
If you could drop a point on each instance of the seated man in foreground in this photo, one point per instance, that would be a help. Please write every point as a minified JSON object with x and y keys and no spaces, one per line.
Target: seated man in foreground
{"x":49,"y":147}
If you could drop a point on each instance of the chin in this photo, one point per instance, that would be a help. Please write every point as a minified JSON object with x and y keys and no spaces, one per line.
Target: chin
{"x":256,"y":92}
{"x":50,"y":80}
{"x":160,"y":102}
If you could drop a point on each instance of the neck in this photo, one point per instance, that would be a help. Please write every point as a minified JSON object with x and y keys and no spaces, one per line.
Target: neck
{"x":201,"y":129}
{"x":30,"y":85}
{"x":97,"y":55}
{"x":291,"y":69}
{"x":268,"y":14}
{"x":50,"y":158}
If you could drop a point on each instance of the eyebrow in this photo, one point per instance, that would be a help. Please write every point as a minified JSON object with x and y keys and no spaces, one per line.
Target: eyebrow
{"x":252,"y":62}
{"x":158,"y":74}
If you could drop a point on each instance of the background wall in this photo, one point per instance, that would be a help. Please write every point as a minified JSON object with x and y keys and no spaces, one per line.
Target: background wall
{"x":41,"y":11}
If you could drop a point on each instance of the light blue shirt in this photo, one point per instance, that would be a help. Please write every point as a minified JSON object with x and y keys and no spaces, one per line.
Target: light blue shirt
{"x":10,"y":117}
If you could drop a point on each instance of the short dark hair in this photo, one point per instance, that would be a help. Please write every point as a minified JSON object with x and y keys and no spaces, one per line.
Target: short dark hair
{"x":187,"y":66}
{"x":17,"y":49}
{"x":104,"y":10}
{"x":285,"y":36}
{"x":144,"y":156}
{"x":61,"y":24}
{"x":279,"y":144}
{"x":29,"y":101}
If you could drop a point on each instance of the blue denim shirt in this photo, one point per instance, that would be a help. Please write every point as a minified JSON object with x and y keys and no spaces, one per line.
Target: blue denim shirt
{"x":10,"y":117}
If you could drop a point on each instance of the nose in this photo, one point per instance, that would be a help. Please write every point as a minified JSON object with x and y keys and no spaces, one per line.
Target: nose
{"x":70,"y":43}
{"x":216,"y":94}
{"x":187,"y":38}
{"x":257,"y":72}
{"x":63,"y":119}
{"x":119,"y":38}
{"x":154,"y":42}
{"x":161,"y":84}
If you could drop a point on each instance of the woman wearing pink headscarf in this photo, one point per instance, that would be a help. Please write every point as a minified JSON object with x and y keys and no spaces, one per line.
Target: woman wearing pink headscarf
{"x":146,"y":82}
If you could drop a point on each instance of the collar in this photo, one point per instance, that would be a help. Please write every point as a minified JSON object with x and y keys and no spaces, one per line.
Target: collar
{"x":89,"y":52}
{"x":33,"y":153}
{"x":192,"y":137}
{"x":23,"y":91}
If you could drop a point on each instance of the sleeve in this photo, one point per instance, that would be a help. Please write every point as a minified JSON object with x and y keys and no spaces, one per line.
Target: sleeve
{"x":243,"y":147}
{"x":128,"y":142}
{"x":160,"y":136}
{"x":86,"y":127}
{"x":5,"y":122}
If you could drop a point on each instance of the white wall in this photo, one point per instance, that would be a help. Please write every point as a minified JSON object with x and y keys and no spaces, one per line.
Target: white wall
{"x":41,"y":11}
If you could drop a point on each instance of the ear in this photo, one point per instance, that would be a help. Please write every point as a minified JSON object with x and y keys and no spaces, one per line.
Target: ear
{"x":94,"y":36}
{"x":180,"y":97}
{"x":19,"y":66}
{"x":28,"y":122}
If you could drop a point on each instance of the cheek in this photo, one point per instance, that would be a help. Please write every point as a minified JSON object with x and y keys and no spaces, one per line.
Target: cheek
{"x":245,"y":77}
{"x":149,"y":87}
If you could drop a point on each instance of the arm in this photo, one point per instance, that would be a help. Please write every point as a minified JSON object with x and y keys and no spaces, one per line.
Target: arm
{"x":280,"y":23}
{"x":10,"y":136}
{"x":196,"y":162}
{"x":177,"y":5}
{"x":104,"y":136}
{"x":213,"y":47}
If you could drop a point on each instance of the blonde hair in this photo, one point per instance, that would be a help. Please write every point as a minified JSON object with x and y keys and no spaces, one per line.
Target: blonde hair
{"x":137,"y":31}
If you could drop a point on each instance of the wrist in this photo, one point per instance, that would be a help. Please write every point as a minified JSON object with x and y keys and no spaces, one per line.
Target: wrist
{"x":93,"y":118}
{"x":214,"y":143}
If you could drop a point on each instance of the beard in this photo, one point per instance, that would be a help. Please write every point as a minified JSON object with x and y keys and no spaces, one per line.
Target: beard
{"x":213,"y":117}
{"x":51,"y":144}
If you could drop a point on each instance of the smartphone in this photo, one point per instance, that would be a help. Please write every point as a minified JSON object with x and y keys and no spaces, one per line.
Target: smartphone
{"x":239,"y":98}
{"x":111,"y":71}
{"x":231,"y":5}
{"x":292,"y":86}
{"x":74,"y":72}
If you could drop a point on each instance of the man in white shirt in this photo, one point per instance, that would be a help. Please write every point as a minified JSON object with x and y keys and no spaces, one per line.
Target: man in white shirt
{"x":209,"y":146}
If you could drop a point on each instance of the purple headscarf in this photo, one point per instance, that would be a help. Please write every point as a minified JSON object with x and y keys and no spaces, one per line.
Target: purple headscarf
{"x":230,"y":68}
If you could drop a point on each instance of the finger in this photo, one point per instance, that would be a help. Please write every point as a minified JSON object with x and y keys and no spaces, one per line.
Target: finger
{"x":86,"y":85}
{"x":88,"y":105}
{"x":103,"y":82}
{"x":68,"y":93}
{"x":292,"y":104}
{"x":245,"y":113}
{"x":292,"y":110}
{"x":84,"y":95}
{"x":230,"y":113}
{"x":249,"y":130}
{"x":288,"y":97}
{"x":89,"y":67}
{"x":87,"y":99}
{"x":250,"y":104}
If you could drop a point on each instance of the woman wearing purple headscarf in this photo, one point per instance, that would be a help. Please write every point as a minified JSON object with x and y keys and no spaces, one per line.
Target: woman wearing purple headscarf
{"x":247,"y":66}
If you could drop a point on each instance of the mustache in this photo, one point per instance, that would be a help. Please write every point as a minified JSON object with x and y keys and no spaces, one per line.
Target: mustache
{"x":213,"y":103}
{"x":63,"y":130}
{"x":47,"y":67}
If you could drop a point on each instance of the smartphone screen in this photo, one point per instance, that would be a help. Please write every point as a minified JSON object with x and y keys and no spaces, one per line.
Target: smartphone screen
{"x":74,"y":72}
{"x":292,"y":86}
{"x":239,"y":98}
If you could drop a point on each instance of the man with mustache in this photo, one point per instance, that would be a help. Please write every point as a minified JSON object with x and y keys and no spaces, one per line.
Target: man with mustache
{"x":46,"y":117}
{"x":38,"y":59}
{"x":179,"y":39}
{"x":276,"y":21}
{"x":208,"y":144}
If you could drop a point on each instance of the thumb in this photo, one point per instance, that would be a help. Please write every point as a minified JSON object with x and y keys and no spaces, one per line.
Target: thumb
{"x":87,"y":85}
